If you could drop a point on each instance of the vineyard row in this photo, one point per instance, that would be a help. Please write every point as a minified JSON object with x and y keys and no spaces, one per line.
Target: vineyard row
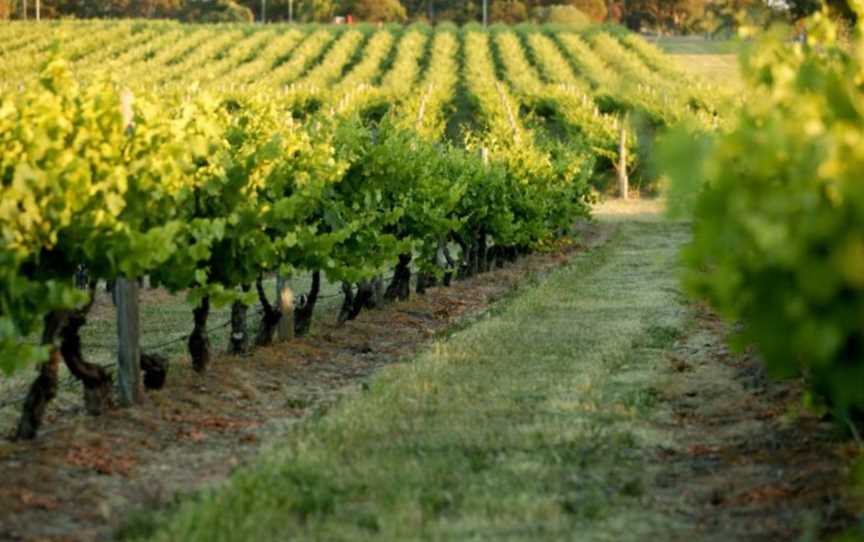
{"x":218,"y":156}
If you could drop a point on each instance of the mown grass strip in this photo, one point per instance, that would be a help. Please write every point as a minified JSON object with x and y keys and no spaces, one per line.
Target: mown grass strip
{"x":533,"y":423}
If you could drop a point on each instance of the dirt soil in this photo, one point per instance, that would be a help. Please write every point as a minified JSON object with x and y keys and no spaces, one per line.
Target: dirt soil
{"x":757,"y":466}
{"x":749,"y":461}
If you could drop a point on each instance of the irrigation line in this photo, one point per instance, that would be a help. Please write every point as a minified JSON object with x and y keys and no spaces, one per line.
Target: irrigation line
{"x":11,"y":402}
{"x":66,"y":383}
{"x":71,"y":380}
{"x":223,"y":325}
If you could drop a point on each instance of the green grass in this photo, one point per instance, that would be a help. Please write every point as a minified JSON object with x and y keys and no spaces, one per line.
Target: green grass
{"x":690,"y":45}
{"x":715,"y":61}
{"x":533,"y":423}
{"x":721,"y":70}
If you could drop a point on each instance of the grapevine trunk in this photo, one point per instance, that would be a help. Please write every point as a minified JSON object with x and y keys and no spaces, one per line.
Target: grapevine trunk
{"x":449,"y":264}
{"x":44,"y":388}
{"x":365,"y":298}
{"x":303,"y":312}
{"x":239,"y":343}
{"x":155,"y":368}
{"x":424,"y":281}
{"x":347,"y":303}
{"x":400,"y":286}
{"x":377,"y":293}
{"x":199,"y":342}
{"x":482,"y":254}
{"x":269,"y":318}
{"x":96,"y":380}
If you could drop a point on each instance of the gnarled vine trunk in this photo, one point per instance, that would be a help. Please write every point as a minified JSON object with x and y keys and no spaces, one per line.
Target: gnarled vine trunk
{"x":400,"y":286}
{"x":199,"y":342}
{"x":424,"y":281}
{"x":448,"y":263}
{"x":473,"y":258}
{"x":366,"y":297}
{"x":482,"y":257}
{"x":303,"y":311}
{"x":96,"y":380}
{"x":81,"y":278}
{"x":468,"y":267}
{"x":347,"y":308}
{"x":269,"y":318}
{"x":496,"y":256}
{"x":239,"y":342}
{"x":511,"y":254}
{"x":369,"y":296}
{"x":377,"y":293}
{"x":44,"y":388}
{"x":155,"y":369}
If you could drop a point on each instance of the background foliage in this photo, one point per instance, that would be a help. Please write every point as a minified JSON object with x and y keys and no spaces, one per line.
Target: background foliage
{"x":676,"y":16}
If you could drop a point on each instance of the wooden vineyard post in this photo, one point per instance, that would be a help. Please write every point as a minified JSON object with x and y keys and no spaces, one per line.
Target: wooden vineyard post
{"x":422,"y":110}
{"x":285,"y":302}
{"x":129,"y":349}
{"x":128,"y":316}
{"x":510,"y":118}
{"x":623,"y":181}
{"x":483,"y":248}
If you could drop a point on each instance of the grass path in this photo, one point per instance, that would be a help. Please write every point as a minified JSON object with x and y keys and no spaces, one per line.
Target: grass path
{"x":532,"y":423}
{"x":715,"y":61}
{"x":594,"y":405}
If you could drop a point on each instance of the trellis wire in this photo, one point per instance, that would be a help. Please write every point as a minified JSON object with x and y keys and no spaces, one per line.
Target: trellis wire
{"x":70,"y":381}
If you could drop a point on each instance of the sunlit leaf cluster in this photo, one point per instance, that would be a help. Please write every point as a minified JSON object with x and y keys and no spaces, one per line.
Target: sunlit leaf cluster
{"x":778,"y":205}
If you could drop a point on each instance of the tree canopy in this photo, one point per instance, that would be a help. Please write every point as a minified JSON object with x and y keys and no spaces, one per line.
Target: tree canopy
{"x":665,"y":15}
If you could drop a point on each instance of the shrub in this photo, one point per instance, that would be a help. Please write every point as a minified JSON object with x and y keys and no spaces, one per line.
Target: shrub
{"x":378,"y":10}
{"x":595,"y":9}
{"x":568,"y":15}
{"x":778,"y":203}
{"x":508,"y":11}
{"x":220,"y":11}
{"x":5,"y":9}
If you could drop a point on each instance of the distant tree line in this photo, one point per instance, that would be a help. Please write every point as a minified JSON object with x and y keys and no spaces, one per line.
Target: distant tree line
{"x":186,"y":10}
{"x":674,"y":16}
{"x":302,"y":10}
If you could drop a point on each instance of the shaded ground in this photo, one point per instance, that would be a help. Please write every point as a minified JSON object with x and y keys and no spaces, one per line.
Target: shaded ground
{"x":749,"y":463}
